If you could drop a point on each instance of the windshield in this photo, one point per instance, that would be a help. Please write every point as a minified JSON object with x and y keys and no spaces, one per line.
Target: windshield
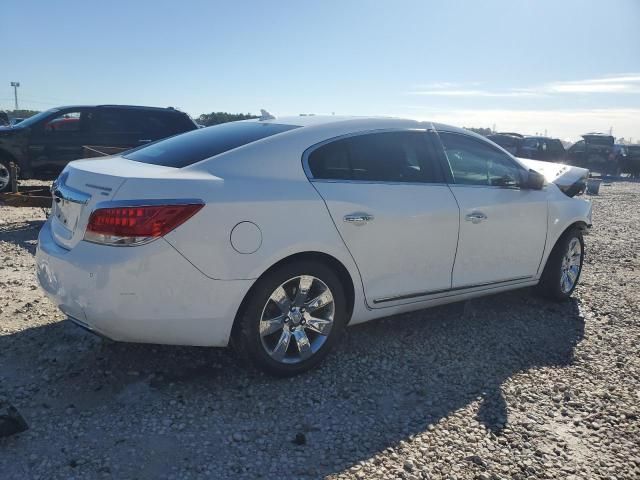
{"x":27,"y":122}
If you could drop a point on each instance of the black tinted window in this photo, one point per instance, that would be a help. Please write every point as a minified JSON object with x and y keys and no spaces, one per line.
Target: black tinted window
{"x":197,"y":145}
{"x":475,"y":162}
{"x":387,"y":157}
{"x":156,"y":125}
{"x":110,"y":121}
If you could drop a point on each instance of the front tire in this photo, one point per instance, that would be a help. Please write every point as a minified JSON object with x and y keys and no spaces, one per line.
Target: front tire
{"x":292,"y":319}
{"x":564,"y":266}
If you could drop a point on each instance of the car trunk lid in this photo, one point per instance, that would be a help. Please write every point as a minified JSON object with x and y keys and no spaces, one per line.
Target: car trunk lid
{"x":84,"y":184}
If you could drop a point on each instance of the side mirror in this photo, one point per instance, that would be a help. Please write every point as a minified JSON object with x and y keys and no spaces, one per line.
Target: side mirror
{"x":535,"y":180}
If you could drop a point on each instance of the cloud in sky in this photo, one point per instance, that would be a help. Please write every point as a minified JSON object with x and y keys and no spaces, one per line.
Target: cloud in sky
{"x":624,"y":83}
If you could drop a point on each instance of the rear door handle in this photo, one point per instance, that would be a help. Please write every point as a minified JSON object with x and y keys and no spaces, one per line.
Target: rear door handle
{"x":475,"y":217}
{"x":146,"y":140}
{"x":358,"y":218}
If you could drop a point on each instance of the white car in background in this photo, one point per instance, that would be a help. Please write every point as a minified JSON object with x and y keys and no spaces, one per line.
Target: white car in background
{"x":276,"y":233}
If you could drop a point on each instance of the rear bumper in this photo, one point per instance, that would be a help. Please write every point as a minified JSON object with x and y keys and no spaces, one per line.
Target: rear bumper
{"x":147,"y":294}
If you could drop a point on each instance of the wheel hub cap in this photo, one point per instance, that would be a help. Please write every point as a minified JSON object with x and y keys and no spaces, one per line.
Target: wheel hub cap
{"x":297,"y":319}
{"x":571,"y":264}
{"x":296,"y":316}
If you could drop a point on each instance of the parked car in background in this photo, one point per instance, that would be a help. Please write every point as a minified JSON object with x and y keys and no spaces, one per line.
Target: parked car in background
{"x":4,"y":118}
{"x":632,"y":163}
{"x":542,"y":148}
{"x":43,"y":144}
{"x":595,"y":151}
{"x":509,"y":141}
{"x":276,"y":233}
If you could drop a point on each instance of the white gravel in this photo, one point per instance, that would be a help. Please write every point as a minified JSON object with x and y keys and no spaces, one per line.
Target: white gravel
{"x":509,"y":386}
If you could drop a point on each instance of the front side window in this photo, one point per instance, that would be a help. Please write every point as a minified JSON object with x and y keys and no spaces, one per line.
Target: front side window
{"x":65,"y":123}
{"x":474,"y":162}
{"x":376,"y":157}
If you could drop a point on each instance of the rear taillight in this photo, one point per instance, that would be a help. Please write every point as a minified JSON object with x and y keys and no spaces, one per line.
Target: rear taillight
{"x":135,"y":225}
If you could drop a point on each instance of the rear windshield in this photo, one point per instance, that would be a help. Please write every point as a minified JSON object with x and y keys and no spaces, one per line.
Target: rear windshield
{"x":192,"y":147}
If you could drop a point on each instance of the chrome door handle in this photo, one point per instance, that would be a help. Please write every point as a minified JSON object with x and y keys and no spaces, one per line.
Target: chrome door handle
{"x":358,"y":218}
{"x":475,"y":217}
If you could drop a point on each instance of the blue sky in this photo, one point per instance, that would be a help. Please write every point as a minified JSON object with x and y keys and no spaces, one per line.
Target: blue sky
{"x":565,"y":66}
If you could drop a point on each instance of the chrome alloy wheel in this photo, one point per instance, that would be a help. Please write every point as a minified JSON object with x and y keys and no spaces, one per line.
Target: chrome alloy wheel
{"x":5,"y":177}
{"x":570,"y":268}
{"x":297,"y":319}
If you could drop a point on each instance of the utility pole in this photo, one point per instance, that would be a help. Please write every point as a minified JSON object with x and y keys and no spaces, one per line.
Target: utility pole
{"x":15,"y":86}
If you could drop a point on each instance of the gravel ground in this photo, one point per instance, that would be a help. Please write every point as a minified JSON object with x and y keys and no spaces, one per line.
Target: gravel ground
{"x":509,"y":386}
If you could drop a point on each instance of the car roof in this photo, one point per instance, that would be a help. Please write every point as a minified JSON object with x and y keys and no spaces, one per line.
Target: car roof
{"x":357,"y":123}
{"x":538,"y":136}
{"x":132,"y":107}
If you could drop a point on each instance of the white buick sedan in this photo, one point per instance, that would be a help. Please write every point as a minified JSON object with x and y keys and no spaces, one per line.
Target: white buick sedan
{"x":274,"y":234}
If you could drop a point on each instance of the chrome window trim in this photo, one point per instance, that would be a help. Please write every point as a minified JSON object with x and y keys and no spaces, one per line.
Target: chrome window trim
{"x":315,"y":146}
{"x":377,"y":182}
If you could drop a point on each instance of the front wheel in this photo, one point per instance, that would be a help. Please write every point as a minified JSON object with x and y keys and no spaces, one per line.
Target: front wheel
{"x":563,"y":268}
{"x":293,"y":318}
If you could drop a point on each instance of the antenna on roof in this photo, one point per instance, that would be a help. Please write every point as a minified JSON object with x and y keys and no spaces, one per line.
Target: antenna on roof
{"x":264,"y":115}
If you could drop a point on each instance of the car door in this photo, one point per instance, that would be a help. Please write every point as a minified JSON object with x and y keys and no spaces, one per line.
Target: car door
{"x":386,"y":194}
{"x":59,"y":139}
{"x":113,"y":127}
{"x":503,"y":226}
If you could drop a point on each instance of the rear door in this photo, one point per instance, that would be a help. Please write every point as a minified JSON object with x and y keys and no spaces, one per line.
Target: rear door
{"x":503,"y":227}
{"x":113,"y":127}
{"x":386,"y":194}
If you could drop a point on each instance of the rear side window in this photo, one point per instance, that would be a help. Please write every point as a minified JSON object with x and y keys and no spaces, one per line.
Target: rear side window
{"x":154,"y":125}
{"x":110,"y":120}
{"x":192,"y":147}
{"x":475,"y":162}
{"x":376,"y":157}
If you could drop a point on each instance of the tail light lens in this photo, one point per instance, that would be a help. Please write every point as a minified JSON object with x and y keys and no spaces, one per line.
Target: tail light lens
{"x":136,"y":225}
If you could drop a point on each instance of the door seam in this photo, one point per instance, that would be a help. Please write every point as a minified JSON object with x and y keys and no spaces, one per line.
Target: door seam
{"x":364,"y":295}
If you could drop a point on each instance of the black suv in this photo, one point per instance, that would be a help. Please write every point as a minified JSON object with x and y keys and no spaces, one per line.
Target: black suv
{"x":542,"y":148}
{"x":42,"y":145}
{"x":509,"y":141}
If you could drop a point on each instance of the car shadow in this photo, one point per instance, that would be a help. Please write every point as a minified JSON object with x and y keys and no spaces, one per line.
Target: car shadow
{"x":23,"y":234}
{"x":387,"y":381}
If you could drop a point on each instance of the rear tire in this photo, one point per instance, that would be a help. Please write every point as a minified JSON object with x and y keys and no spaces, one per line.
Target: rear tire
{"x":287,"y":334}
{"x":5,"y":176}
{"x":564,"y":266}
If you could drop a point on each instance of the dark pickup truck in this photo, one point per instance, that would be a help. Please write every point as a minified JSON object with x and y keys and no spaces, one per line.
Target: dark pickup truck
{"x":42,"y":145}
{"x":596,"y":152}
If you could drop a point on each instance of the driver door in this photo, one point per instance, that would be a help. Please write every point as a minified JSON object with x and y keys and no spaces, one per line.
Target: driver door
{"x":59,"y":139}
{"x":503,"y":226}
